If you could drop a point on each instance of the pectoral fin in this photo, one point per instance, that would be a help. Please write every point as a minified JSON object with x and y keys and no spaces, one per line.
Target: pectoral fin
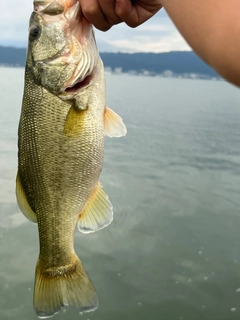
{"x":74,"y":122}
{"x":98,"y":212}
{"x":113,"y":124}
{"x":23,"y":202}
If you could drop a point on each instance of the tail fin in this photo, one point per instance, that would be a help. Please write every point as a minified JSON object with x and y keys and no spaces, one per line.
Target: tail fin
{"x":65,"y":286}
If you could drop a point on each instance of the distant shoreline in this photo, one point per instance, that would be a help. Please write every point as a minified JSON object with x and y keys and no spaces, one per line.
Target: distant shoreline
{"x":166,"y":75}
{"x":174,"y":64}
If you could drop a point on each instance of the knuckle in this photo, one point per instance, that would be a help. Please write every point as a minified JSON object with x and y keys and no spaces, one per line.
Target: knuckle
{"x":89,"y":8}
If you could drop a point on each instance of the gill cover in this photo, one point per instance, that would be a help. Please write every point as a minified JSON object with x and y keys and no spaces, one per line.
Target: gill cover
{"x":62,"y":46}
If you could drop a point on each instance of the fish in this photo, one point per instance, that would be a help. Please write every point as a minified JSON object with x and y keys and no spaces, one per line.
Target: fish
{"x":62,"y":126}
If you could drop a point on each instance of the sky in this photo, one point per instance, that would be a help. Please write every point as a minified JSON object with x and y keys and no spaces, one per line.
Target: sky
{"x":156,"y":35}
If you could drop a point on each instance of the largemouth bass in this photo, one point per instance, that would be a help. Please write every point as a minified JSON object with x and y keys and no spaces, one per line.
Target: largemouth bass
{"x":61,"y":144}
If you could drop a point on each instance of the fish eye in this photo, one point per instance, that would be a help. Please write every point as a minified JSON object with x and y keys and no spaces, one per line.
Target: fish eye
{"x":34,"y":33}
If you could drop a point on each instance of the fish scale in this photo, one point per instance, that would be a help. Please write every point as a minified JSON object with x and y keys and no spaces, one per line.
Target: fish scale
{"x":56,"y":153}
{"x":61,"y":146}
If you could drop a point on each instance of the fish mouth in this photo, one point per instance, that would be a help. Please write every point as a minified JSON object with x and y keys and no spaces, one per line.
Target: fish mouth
{"x":83,"y":73}
{"x":79,"y":84}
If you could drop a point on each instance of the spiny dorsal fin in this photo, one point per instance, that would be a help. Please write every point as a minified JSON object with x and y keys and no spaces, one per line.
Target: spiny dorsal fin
{"x":23,"y":202}
{"x":113,"y":124}
{"x":98,"y":212}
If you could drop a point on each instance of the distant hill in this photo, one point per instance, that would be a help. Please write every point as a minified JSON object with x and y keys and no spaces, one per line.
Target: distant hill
{"x":176,"y":62}
{"x":12,"y":56}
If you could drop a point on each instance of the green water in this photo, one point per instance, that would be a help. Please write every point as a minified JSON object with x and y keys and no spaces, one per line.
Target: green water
{"x":173,"y":249}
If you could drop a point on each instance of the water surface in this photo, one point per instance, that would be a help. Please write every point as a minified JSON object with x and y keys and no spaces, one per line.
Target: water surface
{"x":173,"y":249}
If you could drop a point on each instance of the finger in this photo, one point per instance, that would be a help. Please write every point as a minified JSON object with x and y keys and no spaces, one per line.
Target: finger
{"x":94,"y":14}
{"x":108,"y":8}
{"x":127,"y":11}
{"x":134,"y":13}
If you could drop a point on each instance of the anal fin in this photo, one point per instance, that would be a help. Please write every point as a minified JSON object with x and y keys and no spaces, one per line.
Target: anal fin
{"x":98,"y":212}
{"x":23,"y":202}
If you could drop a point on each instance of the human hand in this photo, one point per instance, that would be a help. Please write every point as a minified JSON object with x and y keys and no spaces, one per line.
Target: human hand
{"x":103,"y":14}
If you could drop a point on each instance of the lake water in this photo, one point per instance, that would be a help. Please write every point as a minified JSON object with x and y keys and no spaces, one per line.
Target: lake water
{"x":173,"y":249}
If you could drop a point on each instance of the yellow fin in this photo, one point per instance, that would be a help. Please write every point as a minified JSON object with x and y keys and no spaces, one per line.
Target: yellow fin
{"x":74,"y":122}
{"x":23,"y":202}
{"x":113,"y":124}
{"x":67,"y":285}
{"x":98,"y":212}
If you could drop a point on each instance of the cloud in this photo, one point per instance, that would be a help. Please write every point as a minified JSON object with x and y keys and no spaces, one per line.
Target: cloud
{"x":149,"y":44}
{"x":14,"y":18}
{"x":170,"y":41}
{"x":156,"y":35}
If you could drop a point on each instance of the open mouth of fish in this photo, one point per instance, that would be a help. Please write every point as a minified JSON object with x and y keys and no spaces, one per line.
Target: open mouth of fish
{"x":79,"y":84}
